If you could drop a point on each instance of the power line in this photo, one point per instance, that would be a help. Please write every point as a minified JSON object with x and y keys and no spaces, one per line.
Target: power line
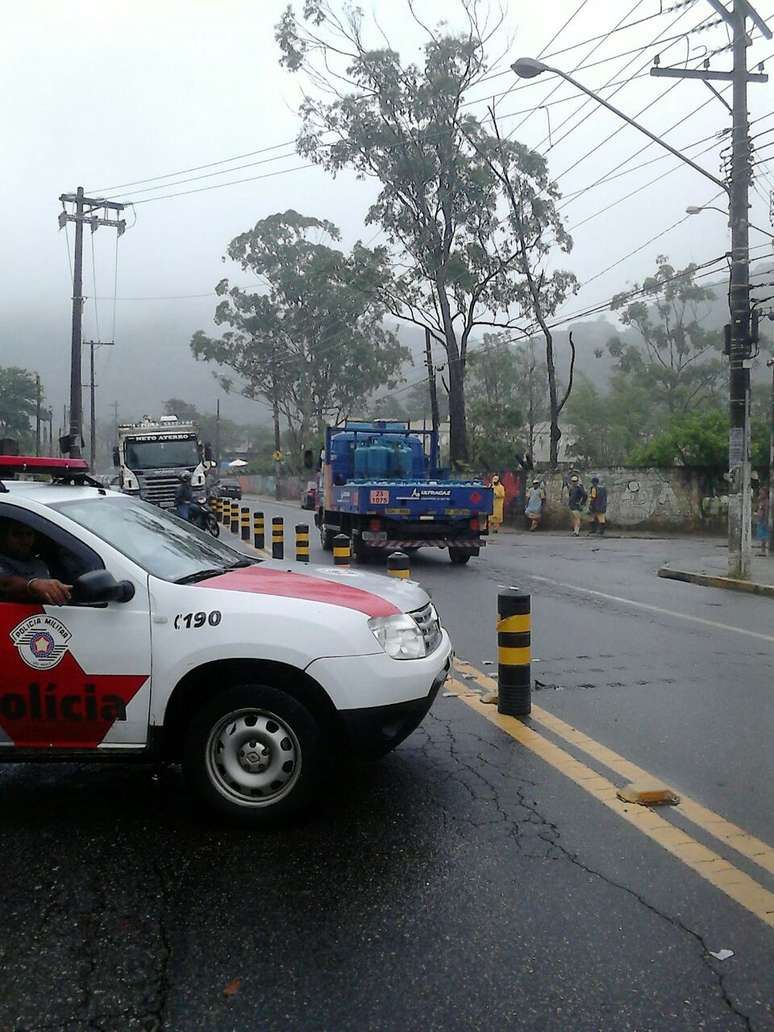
{"x":633,"y":193}
{"x":593,"y":39}
{"x":232,"y":182}
{"x":654,"y":42}
{"x":553,"y":39}
{"x":209,"y":175}
{"x":198,"y":168}
{"x":292,"y":142}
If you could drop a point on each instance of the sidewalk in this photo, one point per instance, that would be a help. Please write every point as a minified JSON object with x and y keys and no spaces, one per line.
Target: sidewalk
{"x":712,"y":571}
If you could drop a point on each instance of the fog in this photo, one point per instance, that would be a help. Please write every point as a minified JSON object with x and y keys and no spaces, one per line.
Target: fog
{"x":98,"y":94}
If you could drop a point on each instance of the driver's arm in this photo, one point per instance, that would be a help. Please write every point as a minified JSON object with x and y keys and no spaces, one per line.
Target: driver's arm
{"x":34,"y":589}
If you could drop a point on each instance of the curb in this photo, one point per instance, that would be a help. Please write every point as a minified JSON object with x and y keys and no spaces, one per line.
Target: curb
{"x":716,"y":581}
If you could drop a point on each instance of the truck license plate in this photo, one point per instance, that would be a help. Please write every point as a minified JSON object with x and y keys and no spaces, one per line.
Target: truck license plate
{"x":379,"y":497}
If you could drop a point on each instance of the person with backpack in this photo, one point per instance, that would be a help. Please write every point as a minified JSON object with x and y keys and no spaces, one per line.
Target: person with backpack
{"x":576,"y":501}
{"x":597,"y":507}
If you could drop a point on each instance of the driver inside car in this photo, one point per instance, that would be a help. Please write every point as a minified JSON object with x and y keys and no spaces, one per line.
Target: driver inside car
{"x":24,"y":576}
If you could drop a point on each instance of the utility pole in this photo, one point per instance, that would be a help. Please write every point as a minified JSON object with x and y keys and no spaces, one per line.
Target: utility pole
{"x":431,"y":381}
{"x":37,"y":414}
{"x":50,"y":431}
{"x":740,"y":349}
{"x":217,"y":432}
{"x":83,"y":211}
{"x":770,"y":363}
{"x":92,"y":398}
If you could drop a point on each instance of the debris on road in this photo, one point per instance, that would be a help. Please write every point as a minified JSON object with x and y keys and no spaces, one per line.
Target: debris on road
{"x":233,"y":987}
{"x":650,"y":793}
{"x":721,"y":954}
{"x":489,"y":698}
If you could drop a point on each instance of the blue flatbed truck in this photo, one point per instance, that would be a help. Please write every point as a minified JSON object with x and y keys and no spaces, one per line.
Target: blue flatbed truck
{"x":382,"y":486}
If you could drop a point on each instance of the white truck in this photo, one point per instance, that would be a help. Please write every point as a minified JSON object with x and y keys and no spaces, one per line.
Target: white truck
{"x":151,"y":456}
{"x":255,"y":675}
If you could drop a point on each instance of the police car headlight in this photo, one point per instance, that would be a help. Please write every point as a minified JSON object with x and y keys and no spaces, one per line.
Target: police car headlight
{"x":399,"y":636}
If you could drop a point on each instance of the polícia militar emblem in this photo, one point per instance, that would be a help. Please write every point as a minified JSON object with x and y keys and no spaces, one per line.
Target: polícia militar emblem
{"x":41,"y":641}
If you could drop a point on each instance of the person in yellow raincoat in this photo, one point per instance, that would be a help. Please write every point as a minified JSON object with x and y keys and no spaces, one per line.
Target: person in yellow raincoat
{"x":498,"y":504}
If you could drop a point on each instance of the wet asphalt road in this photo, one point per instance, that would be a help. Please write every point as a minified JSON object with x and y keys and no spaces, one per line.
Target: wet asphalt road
{"x":463,"y":882}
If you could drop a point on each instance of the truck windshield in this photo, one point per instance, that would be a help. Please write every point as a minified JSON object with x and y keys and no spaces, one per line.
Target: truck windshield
{"x":159,"y":542}
{"x":161,"y":454}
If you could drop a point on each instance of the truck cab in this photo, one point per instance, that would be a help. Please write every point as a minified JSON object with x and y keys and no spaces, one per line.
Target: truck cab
{"x":151,"y":456}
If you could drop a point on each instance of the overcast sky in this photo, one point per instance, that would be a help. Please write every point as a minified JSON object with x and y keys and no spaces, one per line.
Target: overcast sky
{"x":100,"y":93}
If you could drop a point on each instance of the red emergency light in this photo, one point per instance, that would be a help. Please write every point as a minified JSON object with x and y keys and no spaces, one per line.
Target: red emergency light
{"x":41,"y":464}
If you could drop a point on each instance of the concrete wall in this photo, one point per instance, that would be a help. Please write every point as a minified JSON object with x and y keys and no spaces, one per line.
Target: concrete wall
{"x":668,"y":499}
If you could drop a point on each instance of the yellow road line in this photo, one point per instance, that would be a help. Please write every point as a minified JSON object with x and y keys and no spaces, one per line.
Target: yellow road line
{"x":755,"y":849}
{"x":709,"y":865}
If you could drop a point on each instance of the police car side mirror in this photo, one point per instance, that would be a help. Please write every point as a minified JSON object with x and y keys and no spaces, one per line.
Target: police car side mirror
{"x":101,"y":586}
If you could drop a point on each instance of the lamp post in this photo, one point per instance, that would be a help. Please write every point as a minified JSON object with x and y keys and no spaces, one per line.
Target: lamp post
{"x":528,"y":68}
{"x":739,"y":501}
{"x":696,"y":209}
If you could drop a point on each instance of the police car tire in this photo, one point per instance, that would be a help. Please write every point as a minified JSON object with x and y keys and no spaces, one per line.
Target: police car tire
{"x":292,"y":717}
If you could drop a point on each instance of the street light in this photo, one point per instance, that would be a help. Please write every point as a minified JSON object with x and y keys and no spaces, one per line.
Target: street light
{"x":528,"y":68}
{"x":739,"y":514}
{"x":695,"y":209}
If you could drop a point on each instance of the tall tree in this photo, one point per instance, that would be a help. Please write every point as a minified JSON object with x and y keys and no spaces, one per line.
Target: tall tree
{"x":675,"y":356}
{"x":537,"y":227}
{"x":18,"y":400}
{"x":313,"y":344}
{"x":438,"y":198}
{"x":495,"y":404}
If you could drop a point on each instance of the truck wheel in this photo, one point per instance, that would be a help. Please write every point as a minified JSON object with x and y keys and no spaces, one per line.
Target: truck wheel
{"x":326,"y":538}
{"x":459,"y":556}
{"x":252,"y":754}
{"x":363,"y":553}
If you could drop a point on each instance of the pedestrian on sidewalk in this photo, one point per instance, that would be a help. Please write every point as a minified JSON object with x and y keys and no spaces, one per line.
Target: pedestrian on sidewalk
{"x":762,"y":520}
{"x":533,"y":510}
{"x":597,"y":507}
{"x":498,"y":504}
{"x":576,"y":501}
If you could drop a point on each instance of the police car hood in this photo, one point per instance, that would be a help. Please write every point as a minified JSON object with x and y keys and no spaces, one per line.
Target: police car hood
{"x":370,"y":593}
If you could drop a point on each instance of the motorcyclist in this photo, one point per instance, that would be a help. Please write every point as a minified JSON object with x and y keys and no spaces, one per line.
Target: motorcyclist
{"x":184,"y":497}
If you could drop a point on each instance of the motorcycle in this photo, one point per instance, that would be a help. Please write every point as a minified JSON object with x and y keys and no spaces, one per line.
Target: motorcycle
{"x":200,"y":514}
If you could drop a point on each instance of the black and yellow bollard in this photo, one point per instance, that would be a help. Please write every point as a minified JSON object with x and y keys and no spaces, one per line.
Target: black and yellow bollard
{"x":225,"y":511}
{"x":258,"y":530}
{"x":302,"y":543}
{"x":244,"y":524}
{"x":398,"y":565}
{"x":514,"y":694}
{"x":277,"y":537}
{"x":234,"y":523}
{"x":342,"y":553}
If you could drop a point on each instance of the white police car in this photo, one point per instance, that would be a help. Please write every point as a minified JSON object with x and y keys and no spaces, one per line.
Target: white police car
{"x":174,"y":646}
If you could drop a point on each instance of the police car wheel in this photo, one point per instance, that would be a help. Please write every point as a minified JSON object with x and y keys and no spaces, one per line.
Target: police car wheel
{"x":252,"y":754}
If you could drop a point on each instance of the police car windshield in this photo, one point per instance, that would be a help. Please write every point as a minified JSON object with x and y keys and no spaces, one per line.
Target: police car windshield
{"x":156,"y":540}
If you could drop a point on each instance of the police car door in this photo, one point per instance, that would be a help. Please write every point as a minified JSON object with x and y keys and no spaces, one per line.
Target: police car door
{"x":75,"y":677}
